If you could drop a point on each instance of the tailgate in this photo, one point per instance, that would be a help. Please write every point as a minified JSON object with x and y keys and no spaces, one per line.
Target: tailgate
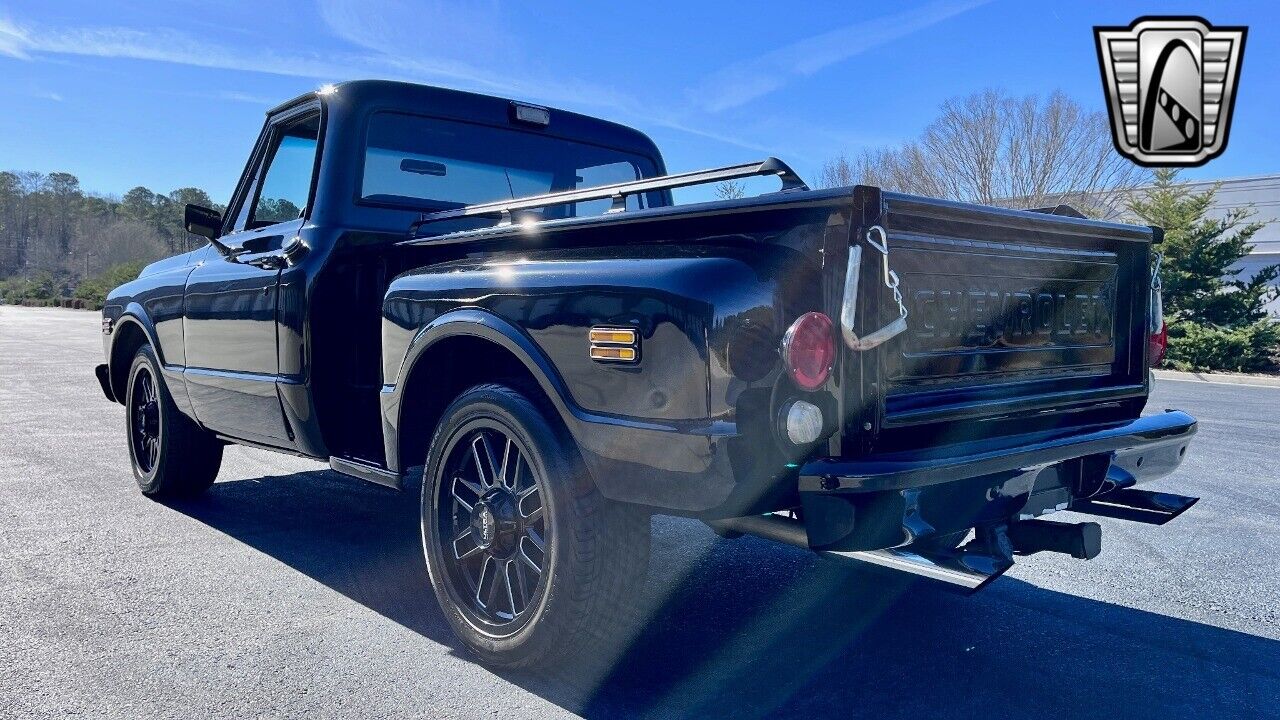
{"x":1011,"y":313}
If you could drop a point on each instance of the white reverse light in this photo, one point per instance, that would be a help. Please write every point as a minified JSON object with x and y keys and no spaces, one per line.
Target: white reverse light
{"x":803,"y":422}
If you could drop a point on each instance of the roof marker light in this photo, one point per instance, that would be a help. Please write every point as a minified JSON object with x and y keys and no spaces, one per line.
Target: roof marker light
{"x":530,"y":114}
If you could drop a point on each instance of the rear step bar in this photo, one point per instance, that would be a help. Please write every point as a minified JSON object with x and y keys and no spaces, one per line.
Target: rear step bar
{"x":968,"y":571}
{"x":969,"y":568}
{"x":1144,"y":506}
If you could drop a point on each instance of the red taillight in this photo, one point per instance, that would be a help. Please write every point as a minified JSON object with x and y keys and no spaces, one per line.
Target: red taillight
{"x":1159,"y":344}
{"x":808,"y":349}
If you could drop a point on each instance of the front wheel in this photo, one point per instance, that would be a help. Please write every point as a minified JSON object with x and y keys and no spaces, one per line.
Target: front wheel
{"x":527,"y":559}
{"x":172,"y":456}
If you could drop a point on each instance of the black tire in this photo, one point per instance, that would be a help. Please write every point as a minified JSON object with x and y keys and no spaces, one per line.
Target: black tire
{"x":172,"y":457}
{"x":593,"y":550}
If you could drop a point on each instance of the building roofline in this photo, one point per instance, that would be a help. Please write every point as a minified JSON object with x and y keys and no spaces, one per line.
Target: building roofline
{"x":1242,"y":178}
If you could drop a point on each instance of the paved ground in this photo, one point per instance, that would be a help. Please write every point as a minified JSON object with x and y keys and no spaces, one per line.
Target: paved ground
{"x":291,"y":590}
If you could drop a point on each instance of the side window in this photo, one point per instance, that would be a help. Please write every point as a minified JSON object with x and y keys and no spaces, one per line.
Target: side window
{"x":286,"y":184}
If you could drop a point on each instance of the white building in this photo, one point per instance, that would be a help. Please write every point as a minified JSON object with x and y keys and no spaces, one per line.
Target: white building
{"x":1263,"y":193}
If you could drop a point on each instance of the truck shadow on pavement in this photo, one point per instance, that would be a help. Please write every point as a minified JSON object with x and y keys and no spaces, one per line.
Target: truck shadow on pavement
{"x":746,"y":628}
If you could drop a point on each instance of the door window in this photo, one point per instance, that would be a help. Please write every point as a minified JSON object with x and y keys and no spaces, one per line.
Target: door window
{"x":286,"y":185}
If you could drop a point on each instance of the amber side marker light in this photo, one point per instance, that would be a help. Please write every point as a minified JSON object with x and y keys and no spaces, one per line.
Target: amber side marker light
{"x":613,"y":336}
{"x":614,"y":344}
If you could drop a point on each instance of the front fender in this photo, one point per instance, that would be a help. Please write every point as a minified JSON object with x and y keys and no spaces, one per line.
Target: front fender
{"x":130,"y":324}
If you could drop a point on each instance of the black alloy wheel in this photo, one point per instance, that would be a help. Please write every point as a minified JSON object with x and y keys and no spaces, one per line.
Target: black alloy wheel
{"x":144,"y":426}
{"x":491,"y":511}
{"x":531,"y":565}
{"x":172,"y":456}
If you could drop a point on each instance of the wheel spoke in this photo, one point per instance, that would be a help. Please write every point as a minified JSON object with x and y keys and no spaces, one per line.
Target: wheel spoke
{"x":494,"y":585}
{"x":465,"y":540}
{"x":487,"y":480}
{"x":530,"y":516}
{"x":506,"y":580}
{"x":524,"y":555}
{"x":516,"y":472}
{"x":471,"y":487}
{"x":484,"y":572}
{"x":521,"y":583}
{"x":506,"y":458}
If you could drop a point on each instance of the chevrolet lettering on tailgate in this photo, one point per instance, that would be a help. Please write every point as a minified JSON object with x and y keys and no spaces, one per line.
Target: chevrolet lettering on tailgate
{"x":1012,"y":313}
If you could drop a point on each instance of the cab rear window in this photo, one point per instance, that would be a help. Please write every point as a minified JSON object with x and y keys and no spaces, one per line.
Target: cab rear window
{"x":434,"y":164}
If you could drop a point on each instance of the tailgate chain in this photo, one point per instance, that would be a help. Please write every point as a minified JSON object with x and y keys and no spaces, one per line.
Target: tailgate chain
{"x":888,"y":332}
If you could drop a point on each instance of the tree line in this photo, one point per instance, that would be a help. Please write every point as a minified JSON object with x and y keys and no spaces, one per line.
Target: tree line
{"x":57,"y":240}
{"x":54,"y":234}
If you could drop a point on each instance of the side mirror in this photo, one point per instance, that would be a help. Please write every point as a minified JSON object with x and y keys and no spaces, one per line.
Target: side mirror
{"x":203,"y":222}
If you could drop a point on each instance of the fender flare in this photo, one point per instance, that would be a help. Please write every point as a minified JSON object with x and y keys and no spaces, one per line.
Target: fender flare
{"x":133,"y":314}
{"x":482,"y":324}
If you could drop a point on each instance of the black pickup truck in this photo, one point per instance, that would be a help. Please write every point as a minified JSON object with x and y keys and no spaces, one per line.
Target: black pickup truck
{"x":502,"y":300}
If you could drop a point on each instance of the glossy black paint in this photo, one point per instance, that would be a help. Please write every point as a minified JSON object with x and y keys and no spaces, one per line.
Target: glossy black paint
{"x":339,"y":335}
{"x":710,"y":288}
{"x":248,"y":326}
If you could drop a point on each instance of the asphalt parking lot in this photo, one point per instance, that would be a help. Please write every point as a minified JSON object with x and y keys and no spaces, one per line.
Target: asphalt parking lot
{"x":290,"y":590}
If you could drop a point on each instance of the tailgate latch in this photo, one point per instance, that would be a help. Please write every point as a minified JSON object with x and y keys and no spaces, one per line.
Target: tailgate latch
{"x":877,"y":238}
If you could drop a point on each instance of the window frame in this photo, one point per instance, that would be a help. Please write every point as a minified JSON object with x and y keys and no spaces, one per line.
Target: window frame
{"x":249,"y":188}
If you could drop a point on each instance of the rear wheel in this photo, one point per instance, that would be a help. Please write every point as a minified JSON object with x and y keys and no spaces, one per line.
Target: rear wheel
{"x":527,"y":559}
{"x":172,"y":456}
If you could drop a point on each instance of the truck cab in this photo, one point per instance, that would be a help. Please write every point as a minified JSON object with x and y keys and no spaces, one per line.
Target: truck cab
{"x":502,"y":300}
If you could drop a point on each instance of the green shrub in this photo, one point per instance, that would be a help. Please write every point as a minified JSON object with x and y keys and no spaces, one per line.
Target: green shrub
{"x":38,"y":287}
{"x":94,"y":290}
{"x":1251,"y":348}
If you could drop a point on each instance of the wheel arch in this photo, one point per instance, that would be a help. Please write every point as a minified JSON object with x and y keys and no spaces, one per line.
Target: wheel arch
{"x":131,"y":331}
{"x":458,"y":350}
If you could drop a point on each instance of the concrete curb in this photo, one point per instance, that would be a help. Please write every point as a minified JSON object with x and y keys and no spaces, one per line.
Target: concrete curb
{"x":1219,"y":378}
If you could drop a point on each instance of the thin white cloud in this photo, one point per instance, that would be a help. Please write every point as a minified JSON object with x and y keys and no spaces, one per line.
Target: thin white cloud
{"x":744,"y":81}
{"x":427,"y":37}
{"x":13,"y":40}
{"x":377,"y":54}
{"x":237,"y":96}
{"x":172,"y":46}
{"x":48,"y":95}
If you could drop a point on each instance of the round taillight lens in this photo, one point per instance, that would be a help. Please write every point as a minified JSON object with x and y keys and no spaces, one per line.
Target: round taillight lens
{"x":809,"y":348}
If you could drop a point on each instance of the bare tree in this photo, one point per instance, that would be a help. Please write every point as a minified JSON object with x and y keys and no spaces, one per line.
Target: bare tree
{"x":119,"y":242}
{"x":994,"y":149}
{"x":837,"y":172}
{"x":730,"y":190}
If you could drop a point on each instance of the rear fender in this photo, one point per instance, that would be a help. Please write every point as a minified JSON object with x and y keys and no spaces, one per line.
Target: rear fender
{"x":469,"y":322}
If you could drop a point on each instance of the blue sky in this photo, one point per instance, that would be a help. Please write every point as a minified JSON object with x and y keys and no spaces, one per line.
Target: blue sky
{"x":170,"y":94}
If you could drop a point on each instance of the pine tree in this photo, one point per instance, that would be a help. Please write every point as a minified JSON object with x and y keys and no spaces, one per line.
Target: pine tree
{"x":1217,"y":318}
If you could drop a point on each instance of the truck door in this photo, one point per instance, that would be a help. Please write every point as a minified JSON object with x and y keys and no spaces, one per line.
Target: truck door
{"x":230,"y":307}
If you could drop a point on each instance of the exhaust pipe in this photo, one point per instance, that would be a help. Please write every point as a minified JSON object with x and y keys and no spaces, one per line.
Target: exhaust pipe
{"x":966,"y":569}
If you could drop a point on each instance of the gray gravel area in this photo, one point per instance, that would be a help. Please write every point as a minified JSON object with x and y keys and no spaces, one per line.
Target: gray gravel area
{"x":289,"y":590}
